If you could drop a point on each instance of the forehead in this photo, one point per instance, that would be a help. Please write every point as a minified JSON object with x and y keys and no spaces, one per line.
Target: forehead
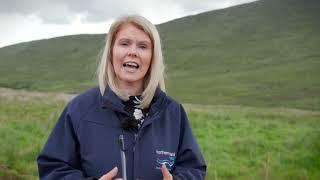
{"x":132,"y":31}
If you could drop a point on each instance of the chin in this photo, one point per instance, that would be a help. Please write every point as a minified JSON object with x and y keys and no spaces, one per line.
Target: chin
{"x":132,"y":78}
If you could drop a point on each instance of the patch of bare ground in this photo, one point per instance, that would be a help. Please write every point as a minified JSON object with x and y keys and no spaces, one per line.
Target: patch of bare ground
{"x":24,"y":95}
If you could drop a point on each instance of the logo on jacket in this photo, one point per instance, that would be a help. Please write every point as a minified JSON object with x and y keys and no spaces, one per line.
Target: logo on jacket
{"x":164,"y":157}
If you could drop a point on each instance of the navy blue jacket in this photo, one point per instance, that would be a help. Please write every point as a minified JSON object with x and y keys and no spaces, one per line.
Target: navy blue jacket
{"x":85,"y":141}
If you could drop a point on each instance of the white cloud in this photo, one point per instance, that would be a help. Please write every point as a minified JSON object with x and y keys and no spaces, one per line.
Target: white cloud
{"x":27,"y":28}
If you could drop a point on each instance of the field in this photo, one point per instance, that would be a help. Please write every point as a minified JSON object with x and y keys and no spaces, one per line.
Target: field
{"x":238,"y":142}
{"x":248,"y":75}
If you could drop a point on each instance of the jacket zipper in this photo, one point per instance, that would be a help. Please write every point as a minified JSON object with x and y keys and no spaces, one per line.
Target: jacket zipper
{"x":136,"y":156}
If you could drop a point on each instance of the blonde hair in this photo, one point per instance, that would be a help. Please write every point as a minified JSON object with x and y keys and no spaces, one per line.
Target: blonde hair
{"x":155,"y":75}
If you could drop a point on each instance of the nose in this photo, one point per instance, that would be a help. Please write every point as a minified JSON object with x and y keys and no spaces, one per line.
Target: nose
{"x":132,"y":51}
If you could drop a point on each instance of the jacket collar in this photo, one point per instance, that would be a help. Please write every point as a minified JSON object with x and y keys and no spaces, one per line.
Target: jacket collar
{"x":111,"y":100}
{"x":157,"y":102}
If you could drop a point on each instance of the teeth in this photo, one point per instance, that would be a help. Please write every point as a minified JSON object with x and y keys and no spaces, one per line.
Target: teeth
{"x":131,"y":64}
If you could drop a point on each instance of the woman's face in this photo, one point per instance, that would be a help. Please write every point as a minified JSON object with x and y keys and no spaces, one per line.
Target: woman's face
{"x":131,"y":55}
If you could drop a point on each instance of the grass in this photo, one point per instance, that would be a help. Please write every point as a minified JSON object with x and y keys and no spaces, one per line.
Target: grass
{"x":258,"y":143}
{"x":24,"y":127}
{"x":238,"y":142}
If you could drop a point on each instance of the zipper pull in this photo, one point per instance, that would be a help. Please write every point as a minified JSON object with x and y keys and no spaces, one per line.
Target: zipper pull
{"x":121,"y":141}
{"x":136,"y":137}
{"x":123,"y":157}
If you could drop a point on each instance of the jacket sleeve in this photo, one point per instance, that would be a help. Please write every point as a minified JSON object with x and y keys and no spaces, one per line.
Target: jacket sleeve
{"x":59,"y":159}
{"x":190,"y":163}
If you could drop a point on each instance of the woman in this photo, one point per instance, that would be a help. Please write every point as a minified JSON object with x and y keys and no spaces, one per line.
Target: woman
{"x":128,"y":127}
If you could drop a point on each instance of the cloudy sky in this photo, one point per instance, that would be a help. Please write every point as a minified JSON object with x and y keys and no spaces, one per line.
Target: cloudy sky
{"x":26,"y":20}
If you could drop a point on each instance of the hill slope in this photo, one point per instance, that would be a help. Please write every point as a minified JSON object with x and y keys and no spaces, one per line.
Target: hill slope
{"x":265,"y":53}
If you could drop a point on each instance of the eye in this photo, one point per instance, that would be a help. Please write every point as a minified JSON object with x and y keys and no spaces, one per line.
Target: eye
{"x":124,"y":43}
{"x":142,"y":46}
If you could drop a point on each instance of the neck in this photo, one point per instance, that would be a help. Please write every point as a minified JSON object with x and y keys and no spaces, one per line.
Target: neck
{"x":131,"y":89}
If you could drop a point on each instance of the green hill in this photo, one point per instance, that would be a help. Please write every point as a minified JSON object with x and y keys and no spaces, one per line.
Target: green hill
{"x":266,"y":53}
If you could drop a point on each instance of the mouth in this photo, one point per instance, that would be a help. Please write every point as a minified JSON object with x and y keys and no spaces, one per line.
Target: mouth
{"x":131,"y":65}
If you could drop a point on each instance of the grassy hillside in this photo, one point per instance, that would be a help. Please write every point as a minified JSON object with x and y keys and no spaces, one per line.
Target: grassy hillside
{"x":262,"y":53}
{"x":60,"y":64}
{"x":265,"y":53}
